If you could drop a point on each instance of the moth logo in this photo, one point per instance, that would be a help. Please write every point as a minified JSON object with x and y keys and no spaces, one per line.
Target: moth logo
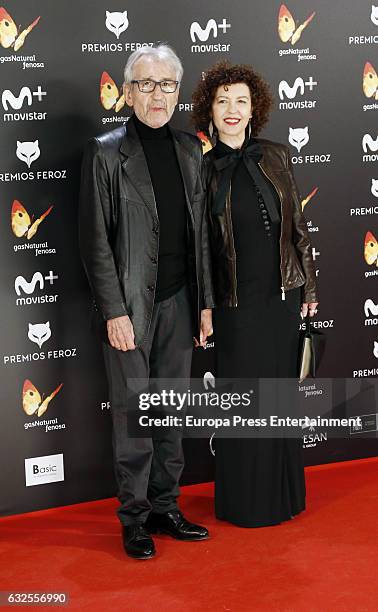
{"x":28,"y":287}
{"x":10,"y":36}
{"x":39,"y":333}
{"x":116,"y":22}
{"x":24,"y":98}
{"x":110,"y":97}
{"x":307,"y":199}
{"x":369,"y":144}
{"x":370,"y":81}
{"x":28,"y":152}
{"x":288,"y":31}
{"x":299,"y":137}
{"x":23,"y":226}
{"x":205,"y":142}
{"x":371,"y":254}
{"x":198,"y":33}
{"x":374,"y":14}
{"x":32,"y":401}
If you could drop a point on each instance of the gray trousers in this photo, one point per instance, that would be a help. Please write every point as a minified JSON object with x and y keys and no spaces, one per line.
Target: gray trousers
{"x":148,"y":470}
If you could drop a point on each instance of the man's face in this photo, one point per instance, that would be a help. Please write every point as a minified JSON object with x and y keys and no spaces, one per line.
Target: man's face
{"x":156,"y":108}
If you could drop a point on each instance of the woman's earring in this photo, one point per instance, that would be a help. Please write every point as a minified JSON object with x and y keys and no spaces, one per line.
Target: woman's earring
{"x":211,"y":128}
{"x":249,"y":129}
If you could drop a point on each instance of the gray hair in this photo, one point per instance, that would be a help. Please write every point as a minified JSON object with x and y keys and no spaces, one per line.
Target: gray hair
{"x":162,"y":52}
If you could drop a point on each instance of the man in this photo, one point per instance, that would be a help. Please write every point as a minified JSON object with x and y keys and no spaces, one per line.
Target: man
{"x":143,"y":239}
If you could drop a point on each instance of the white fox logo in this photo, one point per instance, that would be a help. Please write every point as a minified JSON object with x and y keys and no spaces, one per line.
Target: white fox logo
{"x":370,"y":308}
{"x":374,"y":14}
{"x":117,"y":22}
{"x":369,"y":142}
{"x":203,"y":33}
{"x":375,"y":351}
{"x":21,"y":283}
{"x":374,"y":187}
{"x":284,"y":88}
{"x":28,"y":151}
{"x":298,"y":137}
{"x":16,"y":102}
{"x":39,"y":333}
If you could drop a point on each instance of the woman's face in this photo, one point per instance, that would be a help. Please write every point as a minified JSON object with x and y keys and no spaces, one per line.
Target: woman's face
{"x":231,"y":110}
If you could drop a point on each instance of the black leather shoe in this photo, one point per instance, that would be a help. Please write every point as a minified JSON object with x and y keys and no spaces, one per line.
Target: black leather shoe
{"x":175,"y":524}
{"x":138,"y":542}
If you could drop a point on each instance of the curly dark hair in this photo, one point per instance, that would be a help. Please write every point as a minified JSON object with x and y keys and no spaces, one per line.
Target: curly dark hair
{"x":225,"y":73}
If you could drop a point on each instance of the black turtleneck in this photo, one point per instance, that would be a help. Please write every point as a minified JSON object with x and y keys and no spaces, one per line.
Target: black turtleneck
{"x":170,"y":200}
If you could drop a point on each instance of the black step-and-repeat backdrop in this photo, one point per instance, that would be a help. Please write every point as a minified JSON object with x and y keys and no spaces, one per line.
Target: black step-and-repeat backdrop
{"x":61,"y":76}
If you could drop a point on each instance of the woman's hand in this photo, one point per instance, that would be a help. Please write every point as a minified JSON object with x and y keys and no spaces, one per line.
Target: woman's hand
{"x":310,"y":308}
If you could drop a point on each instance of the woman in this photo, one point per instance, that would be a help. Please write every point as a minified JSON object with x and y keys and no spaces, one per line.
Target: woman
{"x":264,"y":281}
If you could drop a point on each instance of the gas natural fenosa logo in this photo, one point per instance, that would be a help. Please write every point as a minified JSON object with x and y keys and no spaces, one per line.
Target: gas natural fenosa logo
{"x":24,"y":225}
{"x":309,"y":197}
{"x":10,"y":36}
{"x":288,"y":30}
{"x":110,"y":96}
{"x":371,"y":250}
{"x":33,"y":402}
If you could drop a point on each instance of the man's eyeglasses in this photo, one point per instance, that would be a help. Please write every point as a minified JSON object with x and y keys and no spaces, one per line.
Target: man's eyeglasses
{"x":148,"y":85}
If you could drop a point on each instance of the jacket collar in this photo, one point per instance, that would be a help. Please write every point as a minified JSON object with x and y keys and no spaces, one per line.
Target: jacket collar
{"x":135,"y":165}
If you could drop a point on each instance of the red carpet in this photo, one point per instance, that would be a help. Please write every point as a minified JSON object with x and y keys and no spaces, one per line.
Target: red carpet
{"x":325,"y":559}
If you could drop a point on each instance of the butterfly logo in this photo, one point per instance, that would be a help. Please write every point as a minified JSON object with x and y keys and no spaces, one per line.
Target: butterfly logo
{"x":370,"y":81}
{"x":109,"y":94}
{"x":287,"y":30}
{"x":24,"y":226}
{"x":32,"y":402}
{"x":306,"y":200}
{"x":371,"y":249}
{"x":205,"y":142}
{"x":9,"y":35}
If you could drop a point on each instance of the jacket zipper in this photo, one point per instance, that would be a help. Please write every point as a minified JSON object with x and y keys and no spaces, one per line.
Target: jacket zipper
{"x":280,"y":198}
{"x":228,"y":207}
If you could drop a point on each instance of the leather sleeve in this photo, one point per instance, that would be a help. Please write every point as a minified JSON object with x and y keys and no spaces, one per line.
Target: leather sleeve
{"x":208,"y":300}
{"x":94,"y":232}
{"x":301,"y":240}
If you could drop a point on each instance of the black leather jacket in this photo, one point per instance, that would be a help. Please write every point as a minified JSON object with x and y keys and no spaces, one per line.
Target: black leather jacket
{"x":297,"y":267}
{"x":119,"y":226}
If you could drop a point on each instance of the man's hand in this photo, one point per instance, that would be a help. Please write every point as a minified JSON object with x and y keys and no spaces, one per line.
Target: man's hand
{"x":310,"y":308}
{"x":206,"y":327}
{"x":121,"y":333}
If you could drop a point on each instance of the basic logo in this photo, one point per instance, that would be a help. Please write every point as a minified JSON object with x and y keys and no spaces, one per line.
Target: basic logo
{"x":33,"y":403}
{"x":39,"y":333}
{"x":110,"y":97}
{"x":28,"y":287}
{"x":298,"y":137}
{"x":199,"y":34}
{"x":374,"y":14}
{"x":10,"y":36}
{"x":116,"y":22}
{"x":42,"y":470}
{"x":28,"y":152}
{"x":288,"y":30}
{"x":24,"y":225}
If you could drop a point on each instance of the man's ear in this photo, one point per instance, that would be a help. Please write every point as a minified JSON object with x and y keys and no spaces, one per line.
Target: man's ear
{"x":127,"y":94}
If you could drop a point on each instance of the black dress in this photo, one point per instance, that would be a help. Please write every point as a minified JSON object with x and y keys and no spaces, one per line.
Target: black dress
{"x":259,"y":481}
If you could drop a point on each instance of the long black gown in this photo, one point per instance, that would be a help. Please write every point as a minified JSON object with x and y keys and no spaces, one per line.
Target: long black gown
{"x":258,"y":481}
